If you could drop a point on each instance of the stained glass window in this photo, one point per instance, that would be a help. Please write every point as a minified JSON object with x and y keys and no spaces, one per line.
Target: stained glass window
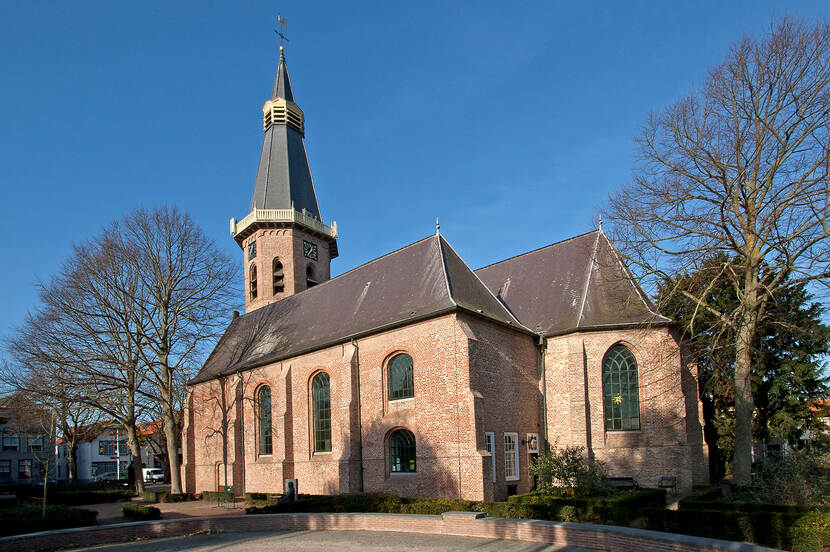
{"x":620,"y":388}
{"x":265,"y":435}
{"x":402,"y":451}
{"x":400,"y":378}
{"x":321,"y":406}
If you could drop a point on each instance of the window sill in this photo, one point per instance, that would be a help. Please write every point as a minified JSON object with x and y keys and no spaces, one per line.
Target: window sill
{"x":517,"y":478}
{"x":399,"y":401}
{"x":402,"y":474}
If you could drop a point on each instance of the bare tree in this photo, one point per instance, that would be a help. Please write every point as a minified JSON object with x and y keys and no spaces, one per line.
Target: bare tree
{"x":187,"y":288}
{"x":85,"y":336}
{"x":739,"y":168}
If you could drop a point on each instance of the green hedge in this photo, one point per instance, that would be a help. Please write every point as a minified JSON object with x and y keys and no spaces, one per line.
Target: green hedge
{"x":27,"y":519}
{"x":811,"y":533}
{"x":140,"y":512}
{"x":617,"y":509}
{"x":77,"y":494}
{"x":165,"y":496}
{"x":218,"y":496}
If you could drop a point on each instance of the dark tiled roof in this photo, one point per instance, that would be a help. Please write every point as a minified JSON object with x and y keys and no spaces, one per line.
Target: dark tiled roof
{"x":577,"y":283}
{"x":421,"y":280}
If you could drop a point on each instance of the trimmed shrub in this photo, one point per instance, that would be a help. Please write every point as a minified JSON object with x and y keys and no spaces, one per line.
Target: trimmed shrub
{"x":27,"y":519}
{"x":140,"y":512}
{"x":811,"y":533}
{"x":435,"y":506}
{"x":705,"y":496}
{"x":177,"y":497}
{"x":619,"y":508}
{"x":492,"y":509}
{"x":151,"y":496}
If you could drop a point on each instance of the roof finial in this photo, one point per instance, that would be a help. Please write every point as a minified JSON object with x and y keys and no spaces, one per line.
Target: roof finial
{"x":437,"y":227}
{"x":600,"y":222}
{"x":281,"y":33}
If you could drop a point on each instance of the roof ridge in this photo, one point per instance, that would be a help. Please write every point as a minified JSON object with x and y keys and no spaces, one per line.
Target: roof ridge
{"x":489,"y":291}
{"x":537,"y":249}
{"x":444,"y":268}
{"x":321,"y":284}
{"x":588,"y":276}
{"x":633,"y":281}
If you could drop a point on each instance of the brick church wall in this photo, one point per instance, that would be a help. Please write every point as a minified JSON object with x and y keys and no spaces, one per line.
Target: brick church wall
{"x":670,"y":440}
{"x":471,"y":376}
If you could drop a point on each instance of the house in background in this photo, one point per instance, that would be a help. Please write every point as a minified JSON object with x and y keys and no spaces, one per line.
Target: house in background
{"x":27,"y":443}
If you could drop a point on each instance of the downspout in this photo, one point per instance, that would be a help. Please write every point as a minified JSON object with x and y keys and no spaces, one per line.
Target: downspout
{"x":359,"y":416}
{"x":241,"y":428}
{"x":540,"y":366}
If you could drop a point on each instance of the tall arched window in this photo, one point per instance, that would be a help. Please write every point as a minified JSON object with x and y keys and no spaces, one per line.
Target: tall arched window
{"x":264,"y":414}
{"x":321,"y":407}
{"x":310,"y":280}
{"x":279,"y":279}
{"x":399,"y":375}
{"x":402,"y":451}
{"x":620,"y":389}
{"x":252,"y":281}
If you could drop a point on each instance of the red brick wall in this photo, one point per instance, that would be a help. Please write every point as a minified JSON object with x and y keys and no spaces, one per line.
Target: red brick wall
{"x":670,"y":441}
{"x":470,"y":376}
{"x":287,"y":244}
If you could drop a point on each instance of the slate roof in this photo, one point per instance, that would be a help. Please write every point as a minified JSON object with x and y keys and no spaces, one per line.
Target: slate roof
{"x":574,"y":284}
{"x":416,"y":282}
{"x":283,"y":179}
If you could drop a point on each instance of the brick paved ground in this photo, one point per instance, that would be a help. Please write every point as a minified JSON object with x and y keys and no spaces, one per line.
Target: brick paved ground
{"x":342,"y":541}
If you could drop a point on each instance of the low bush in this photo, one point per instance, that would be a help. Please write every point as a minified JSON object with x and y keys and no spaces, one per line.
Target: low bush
{"x":811,"y":533}
{"x":140,"y":512}
{"x":492,"y":509}
{"x":435,"y":506}
{"x":217,"y":496}
{"x":620,"y":508}
{"x":77,"y":494}
{"x":260,"y":499}
{"x":27,"y":519}
{"x":568,"y":467}
{"x":177,"y":497}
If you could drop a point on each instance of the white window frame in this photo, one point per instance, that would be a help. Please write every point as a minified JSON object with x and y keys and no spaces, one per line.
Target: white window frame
{"x":11,"y":441}
{"x":490,"y":445}
{"x":511,"y":438}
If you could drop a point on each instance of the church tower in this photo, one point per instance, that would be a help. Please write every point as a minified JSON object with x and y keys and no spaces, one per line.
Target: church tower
{"x":286,"y":247}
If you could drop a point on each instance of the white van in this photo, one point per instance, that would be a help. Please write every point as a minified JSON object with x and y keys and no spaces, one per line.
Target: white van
{"x":153,"y":475}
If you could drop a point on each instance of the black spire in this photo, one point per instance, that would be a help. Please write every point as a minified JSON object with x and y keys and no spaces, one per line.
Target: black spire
{"x":282,"y":84}
{"x":283,"y":180}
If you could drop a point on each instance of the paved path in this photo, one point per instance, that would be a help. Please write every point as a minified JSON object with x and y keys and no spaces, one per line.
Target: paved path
{"x":341,"y":541}
{"x":112,"y":512}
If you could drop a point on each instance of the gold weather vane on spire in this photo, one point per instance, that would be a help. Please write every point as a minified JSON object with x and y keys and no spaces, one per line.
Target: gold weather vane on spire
{"x":281,"y":33}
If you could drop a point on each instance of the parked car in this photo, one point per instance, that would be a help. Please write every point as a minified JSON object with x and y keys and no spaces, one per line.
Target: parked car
{"x":153,"y":475}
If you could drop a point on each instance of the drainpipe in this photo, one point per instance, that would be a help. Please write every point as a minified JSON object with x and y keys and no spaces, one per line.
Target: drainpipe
{"x":241,"y":428}
{"x":540,"y":365}
{"x":359,"y":416}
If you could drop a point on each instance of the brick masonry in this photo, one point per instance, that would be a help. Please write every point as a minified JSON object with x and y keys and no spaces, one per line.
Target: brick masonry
{"x":471,"y":376}
{"x":459,"y":524}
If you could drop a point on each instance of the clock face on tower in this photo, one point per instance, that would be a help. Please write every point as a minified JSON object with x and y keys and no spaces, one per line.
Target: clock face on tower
{"x":310,"y":250}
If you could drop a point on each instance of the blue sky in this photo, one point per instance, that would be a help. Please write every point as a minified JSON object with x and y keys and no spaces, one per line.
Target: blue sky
{"x":510,"y":124}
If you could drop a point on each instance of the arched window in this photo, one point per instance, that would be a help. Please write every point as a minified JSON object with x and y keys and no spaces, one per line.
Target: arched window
{"x":279,"y":280}
{"x":252,"y":280}
{"x":620,"y":389}
{"x":402,"y":451}
{"x":399,"y":374}
{"x":321,"y":406}
{"x":264,"y":414}
{"x":310,"y":281}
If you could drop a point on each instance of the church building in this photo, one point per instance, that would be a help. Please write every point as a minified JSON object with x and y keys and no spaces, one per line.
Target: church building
{"x":414,"y":374}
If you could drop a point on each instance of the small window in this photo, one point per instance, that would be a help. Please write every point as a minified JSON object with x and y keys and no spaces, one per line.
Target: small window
{"x":490,"y":445}
{"x":511,"y":456}
{"x":400,"y":378}
{"x":5,"y":469}
{"x":321,"y":410}
{"x":311,"y":281}
{"x":252,"y":250}
{"x":264,"y":408}
{"x":10,"y":441}
{"x":36,"y":443}
{"x":24,"y":469}
{"x":278,"y":276}
{"x":402,"y":451}
{"x":620,"y":389}
{"x":252,"y":281}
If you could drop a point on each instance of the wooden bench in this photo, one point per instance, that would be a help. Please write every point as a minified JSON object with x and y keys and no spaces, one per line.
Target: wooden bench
{"x":623,"y":482}
{"x":668,"y":482}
